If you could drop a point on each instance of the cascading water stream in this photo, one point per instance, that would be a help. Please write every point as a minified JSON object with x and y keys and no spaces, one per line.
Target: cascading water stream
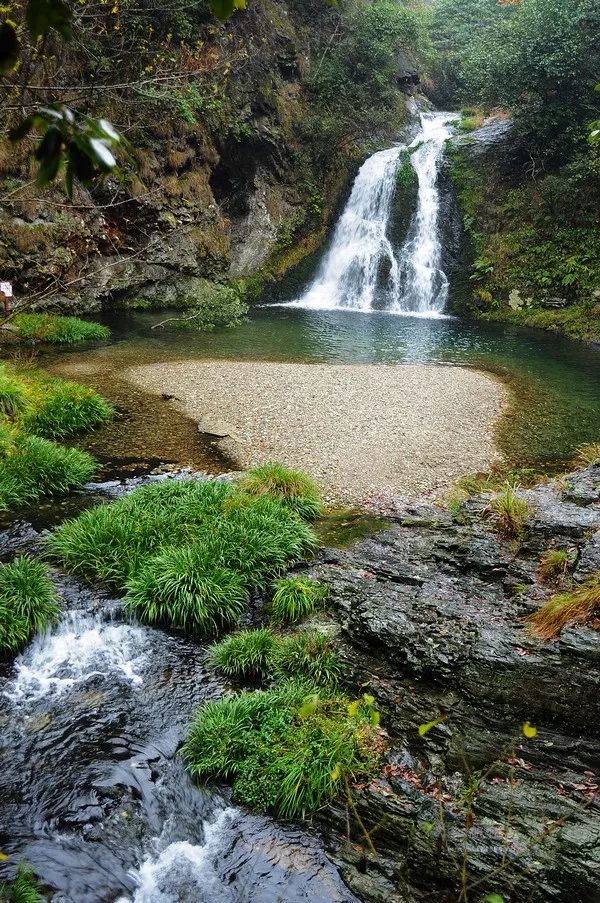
{"x":362,"y":268}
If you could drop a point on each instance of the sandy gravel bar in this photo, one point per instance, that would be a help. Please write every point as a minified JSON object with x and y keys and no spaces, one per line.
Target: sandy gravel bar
{"x":361,"y":430}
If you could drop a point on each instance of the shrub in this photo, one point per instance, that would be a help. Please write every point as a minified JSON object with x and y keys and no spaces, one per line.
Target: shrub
{"x":247,"y":653}
{"x":13,"y":396}
{"x":58,"y":330}
{"x":285,"y":752}
{"x":295,"y":598}
{"x":36,"y":467}
{"x":307,"y":655}
{"x":185,"y":588}
{"x":510,"y":511}
{"x":28,"y":602}
{"x":295,"y":489}
{"x":59,"y":409}
{"x":25,"y":888}
{"x":553,"y":565}
{"x":575,"y":607}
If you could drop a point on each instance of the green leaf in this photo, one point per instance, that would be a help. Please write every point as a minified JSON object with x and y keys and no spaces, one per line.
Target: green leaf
{"x":494,"y":898}
{"x":353,"y":708}
{"x":222,"y":9}
{"x":425,"y":728}
{"x":368,"y":699}
{"x":42,"y":15}
{"x":10,"y":46}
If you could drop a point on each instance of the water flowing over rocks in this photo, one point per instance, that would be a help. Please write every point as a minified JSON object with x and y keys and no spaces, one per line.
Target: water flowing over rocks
{"x":432,"y":623}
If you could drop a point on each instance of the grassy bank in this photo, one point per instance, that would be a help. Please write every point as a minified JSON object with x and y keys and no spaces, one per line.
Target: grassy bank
{"x":36,"y":409}
{"x":28,"y":602}
{"x":54,"y":329}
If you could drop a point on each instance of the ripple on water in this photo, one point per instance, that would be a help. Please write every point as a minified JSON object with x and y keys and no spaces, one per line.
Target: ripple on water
{"x":80,"y":647}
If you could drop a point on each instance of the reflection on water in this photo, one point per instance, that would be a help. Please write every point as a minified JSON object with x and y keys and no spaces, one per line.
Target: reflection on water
{"x":556,"y":381}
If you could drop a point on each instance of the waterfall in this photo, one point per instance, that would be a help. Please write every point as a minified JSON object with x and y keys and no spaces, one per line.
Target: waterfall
{"x":362,"y":270}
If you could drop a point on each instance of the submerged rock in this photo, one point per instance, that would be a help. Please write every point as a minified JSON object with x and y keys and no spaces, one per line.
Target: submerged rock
{"x":432,"y":616}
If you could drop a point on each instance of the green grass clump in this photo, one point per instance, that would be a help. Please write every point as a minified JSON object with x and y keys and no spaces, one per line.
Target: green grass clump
{"x":286,"y":750}
{"x":295,"y":598}
{"x":13,"y":395}
{"x":28,"y":602}
{"x":509,"y":511}
{"x":24,"y":889}
{"x":59,"y":409}
{"x":553,"y":565}
{"x":574,"y":607}
{"x":295,"y":489}
{"x":246,"y":653}
{"x":308,"y":655}
{"x":58,"y":330}
{"x":186,"y":588}
{"x":185,"y":551}
{"x":259,"y":653}
{"x":36,"y":467}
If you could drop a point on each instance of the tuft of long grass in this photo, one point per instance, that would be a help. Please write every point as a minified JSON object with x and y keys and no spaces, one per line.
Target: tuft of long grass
{"x":35,"y":467}
{"x":286,"y":750}
{"x":553,"y":565}
{"x":295,"y":598}
{"x":308,"y":655}
{"x":59,"y":409}
{"x":183,"y":588}
{"x":13,"y":395}
{"x":296,"y":490}
{"x":574,"y":607}
{"x":58,"y":330}
{"x":28,"y":602}
{"x":510,"y":511}
{"x":588,"y":454}
{"x":25,"y":888}
{"x":246,"y":653}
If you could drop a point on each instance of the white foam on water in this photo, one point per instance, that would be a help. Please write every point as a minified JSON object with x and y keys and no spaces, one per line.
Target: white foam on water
{"x":185,"y":871}
{"x":79,"y":647}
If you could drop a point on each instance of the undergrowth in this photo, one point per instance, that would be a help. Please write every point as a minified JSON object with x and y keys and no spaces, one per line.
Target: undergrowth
{"x":509,"y":511}
{"x":36,"y":467}
{"x":186,"y":552}
{"x":58,"y":330}
{"x":286,"y":750}
{"x":28,"y":602}
{"x":553,"y":565}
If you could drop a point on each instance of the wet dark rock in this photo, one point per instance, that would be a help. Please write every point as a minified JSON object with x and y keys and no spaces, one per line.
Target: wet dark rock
{"x":432,"y":623}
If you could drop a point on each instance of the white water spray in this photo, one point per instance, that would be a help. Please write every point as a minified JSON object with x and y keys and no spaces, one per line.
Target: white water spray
{"x":361,"y":265}
{"x":77,"y":649}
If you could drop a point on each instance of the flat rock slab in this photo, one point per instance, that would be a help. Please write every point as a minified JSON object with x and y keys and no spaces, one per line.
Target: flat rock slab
{"x":359,"y":430}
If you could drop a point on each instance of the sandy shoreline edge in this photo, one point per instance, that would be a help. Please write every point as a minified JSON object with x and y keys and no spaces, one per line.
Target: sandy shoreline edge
{"x":361,"y":430}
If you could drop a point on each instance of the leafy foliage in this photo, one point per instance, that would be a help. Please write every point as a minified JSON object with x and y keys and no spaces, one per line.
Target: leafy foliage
{"x":58,"y":330}
{"x":28,"y":602}
{"x":291,"y":487}
{"x":25,"y":888}
{"x":13,"y":394}
{"x":63,"y":409}
{"x":285,"y":752}
{"x":246,"y":653}
{"x":295,"y":598}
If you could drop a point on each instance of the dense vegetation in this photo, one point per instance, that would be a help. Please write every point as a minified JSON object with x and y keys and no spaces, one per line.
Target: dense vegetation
{"x":57,"y":330}
{"x":533,"y":222}
{"x":35,"y":409}
{"x":186,"y":552}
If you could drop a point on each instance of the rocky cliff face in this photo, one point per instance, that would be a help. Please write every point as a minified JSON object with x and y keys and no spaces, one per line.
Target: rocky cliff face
{"x":242,"y":183}
{"x":432,"y":614}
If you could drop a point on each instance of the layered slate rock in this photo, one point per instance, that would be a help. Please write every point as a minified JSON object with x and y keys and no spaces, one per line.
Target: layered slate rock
{"x":433,"y":614}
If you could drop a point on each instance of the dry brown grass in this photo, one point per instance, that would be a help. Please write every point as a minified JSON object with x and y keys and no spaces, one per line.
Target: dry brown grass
{"x":575,"y":607}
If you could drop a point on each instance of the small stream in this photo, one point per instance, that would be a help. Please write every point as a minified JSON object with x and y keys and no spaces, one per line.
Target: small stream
{"x":93,"y":794}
